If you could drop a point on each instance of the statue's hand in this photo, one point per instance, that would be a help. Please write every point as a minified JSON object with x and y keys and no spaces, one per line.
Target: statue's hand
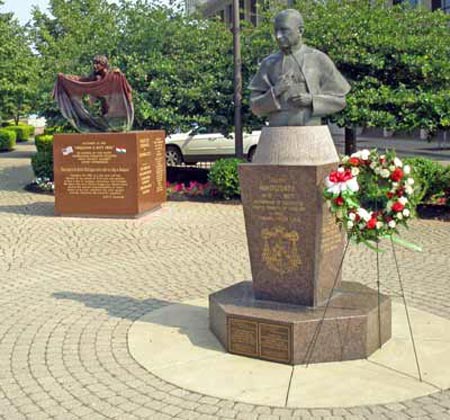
{"x":283,"y":84}
{"x":304,"y":99}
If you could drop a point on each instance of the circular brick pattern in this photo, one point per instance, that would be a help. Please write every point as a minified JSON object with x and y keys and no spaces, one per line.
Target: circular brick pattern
{"x":71,"y":288}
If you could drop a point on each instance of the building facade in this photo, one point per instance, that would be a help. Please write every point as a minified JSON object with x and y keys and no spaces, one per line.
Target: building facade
{"x":224,"y":9}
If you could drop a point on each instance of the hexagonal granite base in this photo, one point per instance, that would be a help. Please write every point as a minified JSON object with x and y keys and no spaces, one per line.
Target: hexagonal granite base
{"x":289,"y":333}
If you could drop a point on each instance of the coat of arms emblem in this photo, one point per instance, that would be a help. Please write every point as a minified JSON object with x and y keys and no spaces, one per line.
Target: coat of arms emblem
{"x":280,"y":251}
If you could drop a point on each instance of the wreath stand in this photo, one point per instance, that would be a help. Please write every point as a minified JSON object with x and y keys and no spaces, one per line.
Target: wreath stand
{"x":312,"y":343}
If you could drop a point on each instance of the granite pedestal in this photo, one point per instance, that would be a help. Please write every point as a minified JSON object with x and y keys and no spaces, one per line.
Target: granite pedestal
{"x":296,"y":252}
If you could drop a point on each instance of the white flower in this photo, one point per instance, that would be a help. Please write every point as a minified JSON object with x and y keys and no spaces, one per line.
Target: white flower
{"x":373,"y":165}
{"x":377,"y":170}
{"x":403,"y":200}
{"x":406,"y":212}
{"x":345,"y":159}
{"x":409,"y":190}
{"x":365,"y":154}
{"x":384,"y":173}
{"x":410,"y":181}
{"x":389,"y":205}
{"x":392,"y":224}
{"x":341,"y":169}
{"x":379,"y":225}
{"x":394,"y":185}
{"x":382,"y":157}
{"x":355,"y":171}
{"x":364,"y":214}
{"x":352,"y":185}
{"x":407,"y":170}
{"x":349,"y":224}
{"x":352,"y":216}
{"x":399,"y":215}
{"x":338,"y":187}
{"x":392,"y":168}
{"x":398,"y":162}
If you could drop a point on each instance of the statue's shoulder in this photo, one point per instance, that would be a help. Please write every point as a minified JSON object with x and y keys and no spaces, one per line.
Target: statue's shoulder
{"x":271,"y":60}
{"x":317,"y":54}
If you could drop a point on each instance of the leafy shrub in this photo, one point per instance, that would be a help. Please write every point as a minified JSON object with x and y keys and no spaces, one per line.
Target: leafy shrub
{"x":23,"y":131}
{"x":42,"y":163}
{"x":431,"y":177}
{"x":56,"y":129}
{"x":7,"y":140}
{"x":224,"y":176}
{"x":44,"y":142}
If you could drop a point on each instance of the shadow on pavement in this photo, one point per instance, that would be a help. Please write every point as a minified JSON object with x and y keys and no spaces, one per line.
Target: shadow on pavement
{"x":17,"y":154}
{"x":38,"y":208}
{"x":132,"y":309}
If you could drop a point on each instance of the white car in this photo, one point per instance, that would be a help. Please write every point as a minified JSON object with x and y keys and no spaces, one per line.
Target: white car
{"x":199,"y":146}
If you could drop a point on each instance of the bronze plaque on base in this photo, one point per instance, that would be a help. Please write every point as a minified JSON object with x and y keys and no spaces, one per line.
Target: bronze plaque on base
{"x":275,"y":342}
{"x":265,"y":340}
{"x":243,"y":337}
{"x":109,"y":174}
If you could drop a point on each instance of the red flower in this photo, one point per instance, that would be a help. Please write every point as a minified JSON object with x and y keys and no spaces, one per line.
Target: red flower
{"x":337,"y":176}
{"x":390,"y":195}
{"x":372,"y":223}
{"x":397,"y":206}
{"x":354,"y":161}
{"x":400,"y":192}
{"x":339,"y":201}
{"x":397,"y":175}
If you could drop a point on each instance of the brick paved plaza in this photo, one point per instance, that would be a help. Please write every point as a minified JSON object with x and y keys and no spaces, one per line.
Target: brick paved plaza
{"x":71,"y":289}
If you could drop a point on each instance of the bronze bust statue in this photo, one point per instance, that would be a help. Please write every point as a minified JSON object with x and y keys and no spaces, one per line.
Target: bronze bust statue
{"x":104,"y":86}
{"x":297,"y":85}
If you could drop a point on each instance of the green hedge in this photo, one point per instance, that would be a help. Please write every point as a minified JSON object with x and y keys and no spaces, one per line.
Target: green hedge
{"x":7,"y":140}
{"x":431,"y":177}
{"x":42,"y":163}
{"x":23,"y":131}
{"x":224,"y":176}
{"x":44,"y":142}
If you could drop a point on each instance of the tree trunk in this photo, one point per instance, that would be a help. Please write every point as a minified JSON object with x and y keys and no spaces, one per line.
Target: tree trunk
{"x":350,"y":140}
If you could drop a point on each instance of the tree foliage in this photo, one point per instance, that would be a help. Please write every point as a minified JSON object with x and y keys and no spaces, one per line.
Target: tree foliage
{"x":18,"y":69}
{"x":396,"y":58}
{"x":181,"y":67}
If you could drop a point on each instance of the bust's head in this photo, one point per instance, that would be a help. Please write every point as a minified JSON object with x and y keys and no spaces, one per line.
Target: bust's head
{"x":289,"y":26}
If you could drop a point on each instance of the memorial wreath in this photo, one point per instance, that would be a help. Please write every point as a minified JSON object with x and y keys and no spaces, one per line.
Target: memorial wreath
{"x":370,"y":195}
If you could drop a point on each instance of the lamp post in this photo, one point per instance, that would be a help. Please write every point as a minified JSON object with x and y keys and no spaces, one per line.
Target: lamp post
{"x":237,"y":81}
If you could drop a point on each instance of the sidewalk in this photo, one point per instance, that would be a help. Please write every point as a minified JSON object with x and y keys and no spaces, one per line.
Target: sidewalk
{"x":72,"y":288}
{"x":405,"y":147}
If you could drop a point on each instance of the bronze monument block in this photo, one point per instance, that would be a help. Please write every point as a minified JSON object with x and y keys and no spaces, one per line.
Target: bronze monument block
{"x":109,"y":174}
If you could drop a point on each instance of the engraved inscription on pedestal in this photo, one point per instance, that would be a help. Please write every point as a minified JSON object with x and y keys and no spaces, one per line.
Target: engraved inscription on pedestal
{"x":109,"y":173}
{"x":145,"y":169}
{"x":293,"y":242}
{"x":275,"y":342}
{"x":243,"y":337}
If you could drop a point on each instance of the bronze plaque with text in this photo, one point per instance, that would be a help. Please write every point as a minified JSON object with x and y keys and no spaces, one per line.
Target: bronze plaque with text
{"x":243,"y":337}
{"x":265,"y":340}
{"x":275,"y":342}
{"x":109,"y":174}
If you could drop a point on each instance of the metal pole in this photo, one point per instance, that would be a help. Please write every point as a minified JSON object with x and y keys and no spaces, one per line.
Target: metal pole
{"x":237,"y":81}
